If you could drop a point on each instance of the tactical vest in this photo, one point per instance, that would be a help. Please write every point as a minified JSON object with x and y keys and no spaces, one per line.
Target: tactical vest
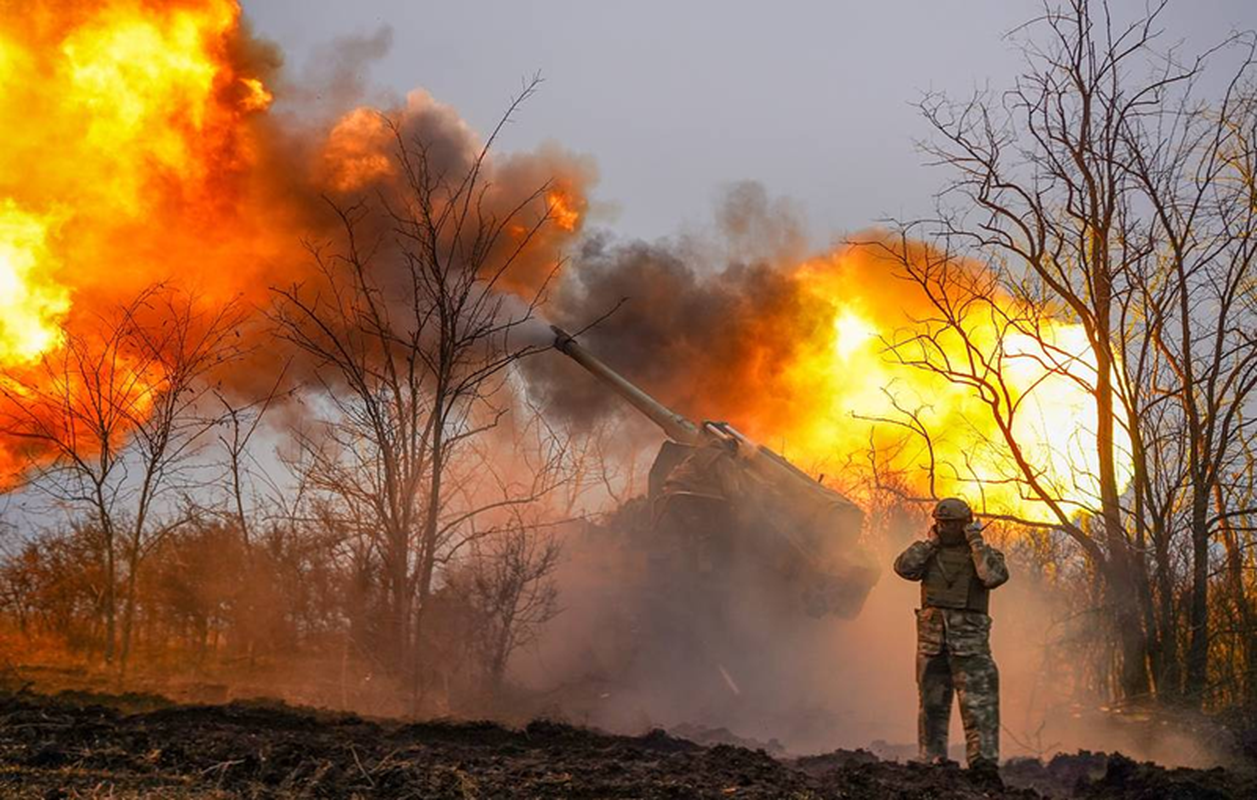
{"x":951,"y":581}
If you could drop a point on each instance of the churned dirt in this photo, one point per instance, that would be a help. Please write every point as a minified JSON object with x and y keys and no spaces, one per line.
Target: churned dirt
{"x":80,"y":745}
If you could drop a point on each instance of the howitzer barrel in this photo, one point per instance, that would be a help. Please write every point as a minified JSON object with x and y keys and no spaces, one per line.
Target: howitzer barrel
{"x":676,"y":427}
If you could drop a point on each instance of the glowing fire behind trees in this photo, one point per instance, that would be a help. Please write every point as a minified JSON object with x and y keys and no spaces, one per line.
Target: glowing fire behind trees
{"x":140,"y":149}
{"x":922,"y":373}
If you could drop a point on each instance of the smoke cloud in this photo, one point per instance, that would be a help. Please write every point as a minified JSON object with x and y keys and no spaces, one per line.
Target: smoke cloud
{"x":684,"y":314}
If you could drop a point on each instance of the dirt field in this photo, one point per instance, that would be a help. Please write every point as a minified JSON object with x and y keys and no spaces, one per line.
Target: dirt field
{"x":88,"y":746}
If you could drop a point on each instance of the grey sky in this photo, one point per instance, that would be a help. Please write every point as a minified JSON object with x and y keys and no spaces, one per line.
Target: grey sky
{"x":676,"y":99}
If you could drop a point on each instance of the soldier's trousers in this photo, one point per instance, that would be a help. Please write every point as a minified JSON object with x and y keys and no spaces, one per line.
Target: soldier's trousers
{"x":975,"y":679}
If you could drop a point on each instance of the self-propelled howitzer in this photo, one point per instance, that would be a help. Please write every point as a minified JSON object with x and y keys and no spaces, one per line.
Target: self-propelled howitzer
{"x":807,"y":532}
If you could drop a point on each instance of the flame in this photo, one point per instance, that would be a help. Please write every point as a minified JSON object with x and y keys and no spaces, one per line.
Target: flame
{"x":31,"y":304}
{"x":140,"y":150}
{"x":126,"y":138}
{"x":256,"y":97}
{"x":852,"y":333}
{"x":126,"y":122}
{"x":562,"y":210}
{"x":840,"y":390}
{"x":356,"y":153}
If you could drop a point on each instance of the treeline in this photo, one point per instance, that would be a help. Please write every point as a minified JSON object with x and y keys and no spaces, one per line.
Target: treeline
{"x":204,"y":593}
{"x":287,"y":611}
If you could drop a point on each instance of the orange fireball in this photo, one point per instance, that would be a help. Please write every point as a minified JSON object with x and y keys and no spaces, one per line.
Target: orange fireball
{"x":126,"y":141}
{"x":139,"y":150}
{"x":845,"y":401}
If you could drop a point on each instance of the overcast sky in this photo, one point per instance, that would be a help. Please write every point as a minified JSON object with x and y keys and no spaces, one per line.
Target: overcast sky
{"x":676,"y":99}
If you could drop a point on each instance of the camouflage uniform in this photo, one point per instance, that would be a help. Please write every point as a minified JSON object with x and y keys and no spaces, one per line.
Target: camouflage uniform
{"x":953,"y":642}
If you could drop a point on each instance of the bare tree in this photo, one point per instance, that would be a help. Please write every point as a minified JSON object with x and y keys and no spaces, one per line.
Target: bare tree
{"x":186,"y":344}
{"x":411,"y":337}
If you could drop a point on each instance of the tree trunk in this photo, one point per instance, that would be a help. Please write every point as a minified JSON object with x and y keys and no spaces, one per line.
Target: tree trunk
{"x":1198,"y":646}
{"x":1169,"y":681}
{"x":128,"y":614}
{"x":1123,"y":591}
{"x":402,"y":600}
{"x":1246,"y":636}
{"x":1154,"y":634}
{"x":111,"y":570}
{"x":1243,"y":617}
{"x":427,"y":547}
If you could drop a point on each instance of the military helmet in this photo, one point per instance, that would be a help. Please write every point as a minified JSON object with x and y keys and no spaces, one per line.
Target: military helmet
{"x":953,"y":508}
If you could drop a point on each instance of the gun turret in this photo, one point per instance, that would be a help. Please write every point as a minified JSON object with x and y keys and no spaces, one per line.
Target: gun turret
{"x":819,"y":525}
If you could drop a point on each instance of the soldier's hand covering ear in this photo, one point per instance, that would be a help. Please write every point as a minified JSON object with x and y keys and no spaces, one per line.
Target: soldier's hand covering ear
{"x":932,"y":538}
{"x":973,"y":534}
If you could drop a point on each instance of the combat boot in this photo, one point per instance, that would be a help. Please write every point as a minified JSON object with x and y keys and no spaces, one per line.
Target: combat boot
{"x":985,"y":773}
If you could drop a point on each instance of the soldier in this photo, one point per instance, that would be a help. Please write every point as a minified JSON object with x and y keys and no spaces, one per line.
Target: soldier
{"x":957,"y":571}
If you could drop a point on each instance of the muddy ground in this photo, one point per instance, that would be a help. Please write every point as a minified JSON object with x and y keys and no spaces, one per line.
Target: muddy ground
{"x":78,"y":745}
